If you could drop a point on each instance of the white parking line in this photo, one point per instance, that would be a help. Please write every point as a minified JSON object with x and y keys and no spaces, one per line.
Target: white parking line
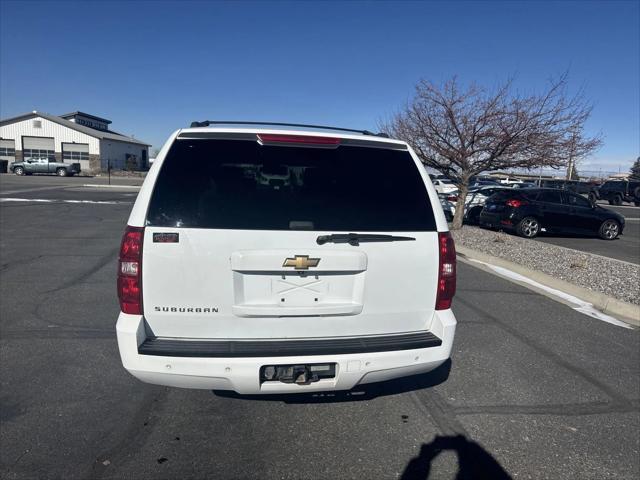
{"x":31,"y":189}
{"x":580,"y":305}
{"x":96,"y":185}
{"x":606,"y":204}
{"x":48,"y":200}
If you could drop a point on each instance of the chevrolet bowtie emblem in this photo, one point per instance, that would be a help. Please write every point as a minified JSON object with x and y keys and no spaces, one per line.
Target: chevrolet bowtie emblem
{"x":301,"y":262}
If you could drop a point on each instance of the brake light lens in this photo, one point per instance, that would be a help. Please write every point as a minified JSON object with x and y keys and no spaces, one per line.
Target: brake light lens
{"x":267,"y":138}
{"x":446,"y":271}
{"x":130,"y":271}
{"x":515,"y":203}
{"x":452,"y":198}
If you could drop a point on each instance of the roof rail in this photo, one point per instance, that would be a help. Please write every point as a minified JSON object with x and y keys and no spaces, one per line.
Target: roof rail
{"x":207,"y":123}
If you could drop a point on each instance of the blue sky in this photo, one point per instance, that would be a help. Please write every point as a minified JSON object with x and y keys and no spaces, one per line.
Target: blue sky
{"x":152,"y":67}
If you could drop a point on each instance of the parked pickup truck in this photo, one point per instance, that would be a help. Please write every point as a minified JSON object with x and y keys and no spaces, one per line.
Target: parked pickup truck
{"x":44,"y":165}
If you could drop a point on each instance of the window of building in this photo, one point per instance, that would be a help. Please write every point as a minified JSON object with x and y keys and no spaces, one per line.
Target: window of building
{"x":31,"y":153}
{"x":74,"y":152}
{"x":75,"y":155}
{"x":7,"y":148}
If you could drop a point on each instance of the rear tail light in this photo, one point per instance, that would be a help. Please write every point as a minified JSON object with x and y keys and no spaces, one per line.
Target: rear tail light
{"x":452,"y":198}
{"x":515,"y":203}
{"x":130,"y":271}
{"x":446,"y":271}
{"x":266,"y":139}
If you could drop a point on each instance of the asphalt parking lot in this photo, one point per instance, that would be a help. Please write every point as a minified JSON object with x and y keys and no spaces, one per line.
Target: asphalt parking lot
{"x":534,"y":389}
{"x":626,"y":247}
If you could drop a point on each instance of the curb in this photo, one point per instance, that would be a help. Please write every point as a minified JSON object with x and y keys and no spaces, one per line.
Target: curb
{"x":629,"y":312}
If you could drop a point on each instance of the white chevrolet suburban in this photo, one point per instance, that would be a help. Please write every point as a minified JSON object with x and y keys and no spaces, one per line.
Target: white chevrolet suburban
{"x":337,"y":270}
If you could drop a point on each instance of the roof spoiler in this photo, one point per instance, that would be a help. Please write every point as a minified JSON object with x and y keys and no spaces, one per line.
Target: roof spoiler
{"x":207,"y":123}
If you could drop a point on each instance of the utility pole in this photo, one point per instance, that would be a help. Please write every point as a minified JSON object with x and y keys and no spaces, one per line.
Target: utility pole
{"x":572,"y":158}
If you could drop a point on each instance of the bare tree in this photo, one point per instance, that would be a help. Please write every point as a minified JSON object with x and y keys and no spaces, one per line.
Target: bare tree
{"x":463,"y":132}
{"x":572,"y":172}
{"x":634,"y":173}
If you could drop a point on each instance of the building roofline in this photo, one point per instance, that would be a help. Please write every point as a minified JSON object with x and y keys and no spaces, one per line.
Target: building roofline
{"x":24,"y":116}
{"x":92,"y":132}
{"x":72,"y":114}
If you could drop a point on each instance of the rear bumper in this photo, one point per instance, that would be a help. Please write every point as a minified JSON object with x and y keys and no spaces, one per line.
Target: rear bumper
{"x":239,"y":371}
{"x":506,"y":220}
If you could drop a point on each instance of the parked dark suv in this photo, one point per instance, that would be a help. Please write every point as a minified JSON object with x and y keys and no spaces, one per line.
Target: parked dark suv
{"x":618,"y":191}
{"x":571,"y":185}
{"x":529,"y":211}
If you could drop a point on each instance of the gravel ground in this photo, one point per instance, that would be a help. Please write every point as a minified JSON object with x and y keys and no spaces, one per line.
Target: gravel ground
{"x":607,"y":275}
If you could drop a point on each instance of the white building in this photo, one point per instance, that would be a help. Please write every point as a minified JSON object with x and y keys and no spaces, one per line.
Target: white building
{"x":75,"y":137}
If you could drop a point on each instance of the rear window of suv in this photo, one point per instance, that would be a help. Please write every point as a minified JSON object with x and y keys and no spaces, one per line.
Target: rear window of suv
{"x":240,"y":184}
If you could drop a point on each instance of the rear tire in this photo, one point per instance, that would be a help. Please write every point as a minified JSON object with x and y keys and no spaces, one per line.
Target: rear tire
{"x":18,"y":171}
{"x":617,"y":200}
{"x":528,"y":227}
{"x":61,"y":172}
{"x":609,"y":230}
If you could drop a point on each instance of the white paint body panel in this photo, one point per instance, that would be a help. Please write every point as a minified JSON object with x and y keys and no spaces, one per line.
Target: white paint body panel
{"x":395,"y":294}
{"x":474,"y":199}
{"x":240,"y":374}
{"x":442,"y":186}
{"x":510,"y":181}
{"x":371,"y":289}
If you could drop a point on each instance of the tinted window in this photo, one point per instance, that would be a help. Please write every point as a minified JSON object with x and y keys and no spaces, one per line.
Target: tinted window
{"x":550,"y":196}
{"x":237,"y":184}
{"x":503,"y":194}
{"x":616,"y":186}
{"x":555,"y":184}
{"x":489,"y":191}
{"x":578,"y":201}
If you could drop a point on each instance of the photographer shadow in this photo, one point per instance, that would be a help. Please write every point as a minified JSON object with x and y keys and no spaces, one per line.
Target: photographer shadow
{"x":474,"y":462}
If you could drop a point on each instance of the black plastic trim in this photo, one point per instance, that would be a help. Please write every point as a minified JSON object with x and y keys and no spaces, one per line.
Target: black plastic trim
{"x":208,"y":123}
{"x":171,"y":347}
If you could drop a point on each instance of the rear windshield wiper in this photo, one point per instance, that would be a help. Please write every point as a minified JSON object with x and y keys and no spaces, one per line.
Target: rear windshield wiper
{"x":356,"y":238}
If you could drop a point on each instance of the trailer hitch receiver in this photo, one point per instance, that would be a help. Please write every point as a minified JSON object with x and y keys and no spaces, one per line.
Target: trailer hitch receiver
{"x":298,"y":374}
